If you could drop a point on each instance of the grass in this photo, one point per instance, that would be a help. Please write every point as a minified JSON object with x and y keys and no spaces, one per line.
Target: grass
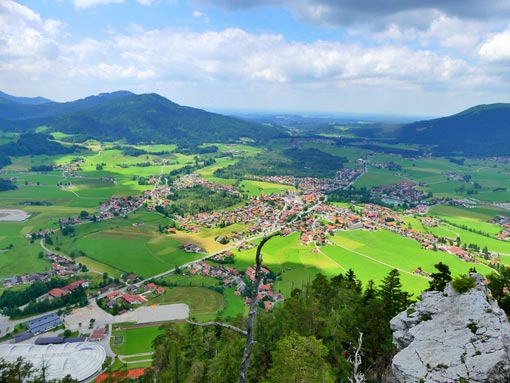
{"x":286,"y":256}
{"x":377,"y":177}
{"x":256,"y":188}
{"x":373,"y":254}
{"x":22,"y":258}
{"x":204,"y":303}
{"x":136,"y":340}
{"x":132,"y":250}
{"x":233,"y":305}
{"x":475,"y":219}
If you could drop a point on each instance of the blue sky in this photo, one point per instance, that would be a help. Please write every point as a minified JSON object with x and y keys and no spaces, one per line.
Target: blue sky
{"x":357,"y":56}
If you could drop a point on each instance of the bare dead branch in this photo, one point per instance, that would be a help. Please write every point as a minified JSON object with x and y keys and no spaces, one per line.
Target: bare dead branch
{"x":253,"y":310}
{"x":358,"y":377}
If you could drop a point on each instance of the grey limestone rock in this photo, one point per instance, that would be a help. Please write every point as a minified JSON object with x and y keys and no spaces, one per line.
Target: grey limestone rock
{"x":449,"y":337}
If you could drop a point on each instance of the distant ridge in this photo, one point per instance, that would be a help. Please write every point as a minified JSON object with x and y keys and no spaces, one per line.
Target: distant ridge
{"x":481,"y":130}
{"x":124,"y":115}
{"x":24,"y":100}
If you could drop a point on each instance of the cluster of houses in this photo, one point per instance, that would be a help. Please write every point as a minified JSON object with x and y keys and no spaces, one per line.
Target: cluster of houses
{"x":134,"y":295}
{"x":504,"y":222}
{"x":26,"y":278}
{"x":399,"y":193}
{"x":231,"y":277}
{"x":259,"y":213}
{"x":60,"y":267}
{"x":390,"y":165}
{"x":39,"y":234}
{"x":343,"y":178}
{"x":223,"y":257}
{"x":192,"y":248}
{"x":59,"y":292}
{"x":119,"y":206}
{"x":453,"y":176}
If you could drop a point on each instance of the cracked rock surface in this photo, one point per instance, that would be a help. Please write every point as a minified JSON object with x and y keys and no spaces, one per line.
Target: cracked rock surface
{"x":451,"y":337}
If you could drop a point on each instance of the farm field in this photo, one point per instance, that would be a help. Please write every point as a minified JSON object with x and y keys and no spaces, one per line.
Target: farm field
{"x":256,"y":188}
{"x":129,"y":250}
{"x":373,"y":254}
{"x":475,"y":219}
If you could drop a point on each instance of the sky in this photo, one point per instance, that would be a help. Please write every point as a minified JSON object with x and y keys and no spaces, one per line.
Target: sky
{"x":404,"y":57}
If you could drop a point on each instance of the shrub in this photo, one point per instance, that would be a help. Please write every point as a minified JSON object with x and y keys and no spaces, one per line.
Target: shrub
{"x":463,"y":284}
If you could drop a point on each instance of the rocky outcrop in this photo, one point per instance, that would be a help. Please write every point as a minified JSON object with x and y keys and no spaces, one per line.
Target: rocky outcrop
{"x":451,"y":337}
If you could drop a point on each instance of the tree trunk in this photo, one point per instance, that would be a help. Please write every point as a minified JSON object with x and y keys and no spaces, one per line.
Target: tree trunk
{"x":253,"y":311}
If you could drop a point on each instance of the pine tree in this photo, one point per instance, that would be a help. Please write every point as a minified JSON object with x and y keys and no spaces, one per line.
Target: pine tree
{"x":441,"y":278}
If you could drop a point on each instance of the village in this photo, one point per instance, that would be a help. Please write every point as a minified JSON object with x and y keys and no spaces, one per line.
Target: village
{"x":306,"y":212}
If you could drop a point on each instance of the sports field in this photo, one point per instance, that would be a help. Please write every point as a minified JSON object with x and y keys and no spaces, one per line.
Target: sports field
{"x":129,"y":340}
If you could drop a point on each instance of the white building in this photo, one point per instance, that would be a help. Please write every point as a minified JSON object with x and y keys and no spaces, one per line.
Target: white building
{"x":80,"y":360}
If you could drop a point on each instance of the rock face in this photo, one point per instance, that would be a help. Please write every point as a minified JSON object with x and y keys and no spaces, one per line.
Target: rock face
{"x":451,"y":337}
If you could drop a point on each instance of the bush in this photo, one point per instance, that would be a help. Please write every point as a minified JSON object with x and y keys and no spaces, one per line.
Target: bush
{"x":463,"y":284}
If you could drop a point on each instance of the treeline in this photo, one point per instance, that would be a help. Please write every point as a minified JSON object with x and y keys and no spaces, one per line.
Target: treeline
{"x":188,"y":169}
{"x":4,"y":159}
{"x":76,"y":297}
{"x":42,"y":168}
{"x":361,"y":195}
{"x":291,"y":162}
{"x":198,"y":199}
{"x":11,"y":298}
{"x":7,"y":185}
{"x":33,"y":144}
{"x":307,"y":338}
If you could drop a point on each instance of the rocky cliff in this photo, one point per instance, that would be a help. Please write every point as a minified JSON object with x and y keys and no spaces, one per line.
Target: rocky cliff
{"x":451,"y":337}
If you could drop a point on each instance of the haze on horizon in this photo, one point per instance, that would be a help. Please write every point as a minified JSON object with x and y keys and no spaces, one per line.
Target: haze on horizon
{"x":386,"y":57}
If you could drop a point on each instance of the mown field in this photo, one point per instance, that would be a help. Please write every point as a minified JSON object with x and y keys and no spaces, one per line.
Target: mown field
{"x":204,"y":304}
{"x":135,"y":340}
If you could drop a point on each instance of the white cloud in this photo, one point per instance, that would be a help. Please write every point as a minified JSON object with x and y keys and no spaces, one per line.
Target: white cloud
{"x":35,"y":52}
{"x":145,"y":2}
{"x":24,"y":34}
{"x":453,"y":32}
{"x":198,"y":14}
{"x":93,"y":3}
{"x":496,"y":48}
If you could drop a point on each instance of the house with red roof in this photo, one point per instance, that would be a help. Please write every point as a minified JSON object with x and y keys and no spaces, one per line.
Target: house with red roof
{"x":57,"y":293}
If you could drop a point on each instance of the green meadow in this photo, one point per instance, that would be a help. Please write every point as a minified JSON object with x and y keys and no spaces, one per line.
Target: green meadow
{"x":135,"y":340}
{"x":256,"y":188}
{"x":373,"y":254}
{"x":204,"y":304}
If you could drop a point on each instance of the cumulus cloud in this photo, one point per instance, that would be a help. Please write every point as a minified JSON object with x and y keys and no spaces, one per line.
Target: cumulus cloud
{"x":24,"y":34}
{"x":35,"y":51}
{"x":496,"y":48}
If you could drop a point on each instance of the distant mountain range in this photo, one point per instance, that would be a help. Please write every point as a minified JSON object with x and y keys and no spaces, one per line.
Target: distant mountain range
{"x":23,"y":100}
{"x":136,"y":118}
{"x":481,"y":130}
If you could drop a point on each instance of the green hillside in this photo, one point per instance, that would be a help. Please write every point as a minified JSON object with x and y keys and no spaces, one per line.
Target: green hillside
{"x":123,"y":115}
{"x":480,"y":130}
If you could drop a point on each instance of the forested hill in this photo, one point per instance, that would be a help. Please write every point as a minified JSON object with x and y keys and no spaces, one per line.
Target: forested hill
{"x":23,"y":100}
{"x":135,"y":118}
{"x":480,"y":130}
